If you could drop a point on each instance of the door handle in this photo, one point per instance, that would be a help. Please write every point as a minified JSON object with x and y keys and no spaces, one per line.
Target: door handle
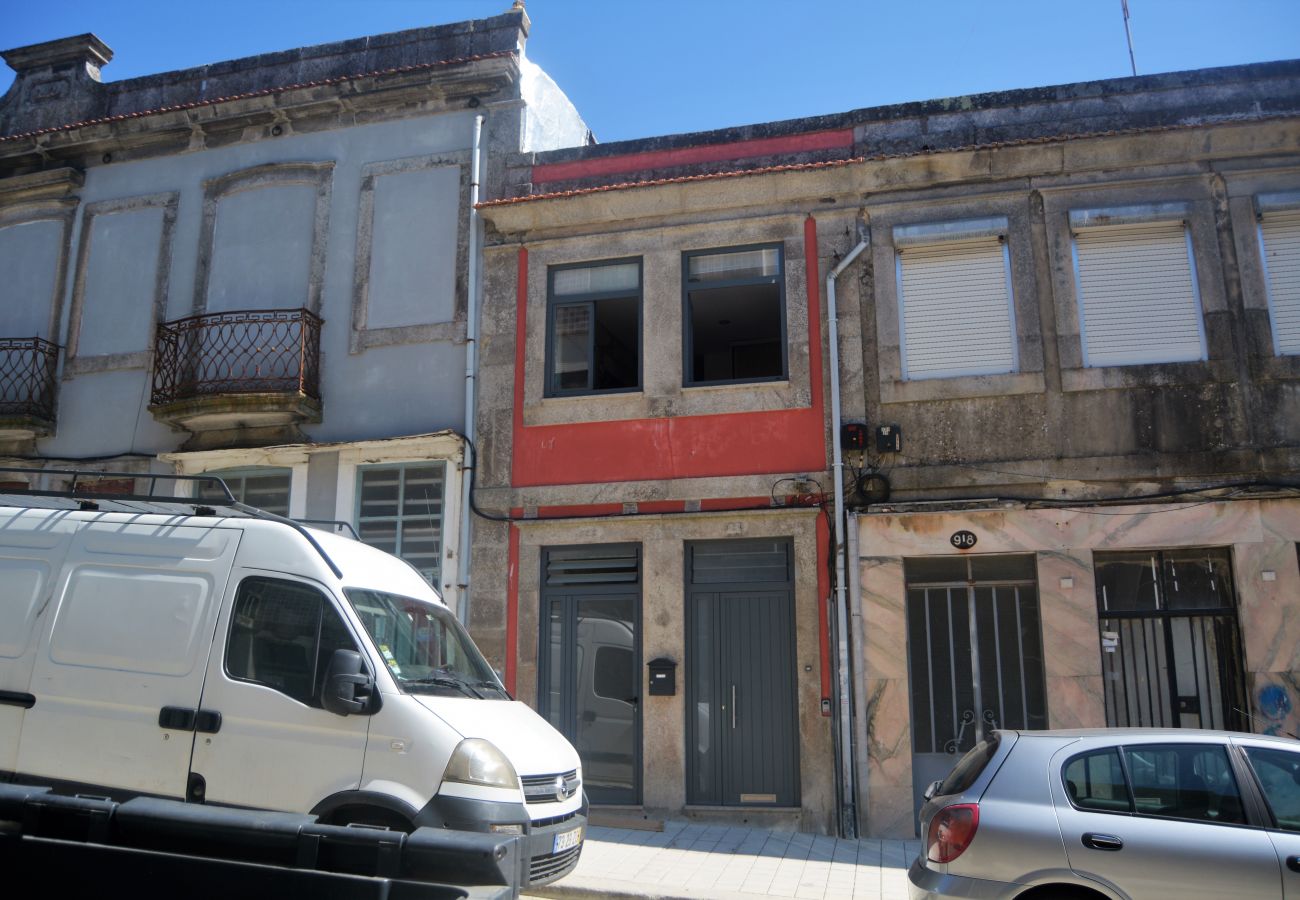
{"x":1102,"y":841}
{"x":733,"y":707}
{"x":1293,"y":863}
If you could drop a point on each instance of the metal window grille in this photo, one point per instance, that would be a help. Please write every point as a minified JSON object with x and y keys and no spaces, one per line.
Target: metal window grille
{"x":27,"y":367}
{"x":249,"y":352}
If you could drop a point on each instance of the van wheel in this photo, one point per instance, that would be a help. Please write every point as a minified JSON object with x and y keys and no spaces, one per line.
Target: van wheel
{"x":372,"y":816}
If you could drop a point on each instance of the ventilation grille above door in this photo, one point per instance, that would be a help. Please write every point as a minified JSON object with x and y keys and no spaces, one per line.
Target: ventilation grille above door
{"x":613,"y":564}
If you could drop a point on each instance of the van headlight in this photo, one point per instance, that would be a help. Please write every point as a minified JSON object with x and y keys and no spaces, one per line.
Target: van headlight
{"x":476,"y":761}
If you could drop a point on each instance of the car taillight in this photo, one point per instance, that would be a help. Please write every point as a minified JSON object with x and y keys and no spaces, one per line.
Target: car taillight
{"x":951,"y":831}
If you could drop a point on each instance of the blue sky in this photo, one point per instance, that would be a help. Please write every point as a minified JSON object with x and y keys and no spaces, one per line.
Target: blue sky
{"x":636,"y":69}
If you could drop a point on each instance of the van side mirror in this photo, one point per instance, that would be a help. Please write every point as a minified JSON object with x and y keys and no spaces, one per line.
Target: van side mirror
{"x":347,"y":688}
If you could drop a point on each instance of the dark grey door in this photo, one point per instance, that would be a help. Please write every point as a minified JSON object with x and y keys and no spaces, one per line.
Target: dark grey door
{"x":975,"y":656}
{"x":1170,"y":646}
{"x":742,"y":724}
{"x":589,"y":682}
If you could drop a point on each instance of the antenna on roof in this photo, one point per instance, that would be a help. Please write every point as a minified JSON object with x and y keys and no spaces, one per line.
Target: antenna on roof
{"x":1129,"y":35}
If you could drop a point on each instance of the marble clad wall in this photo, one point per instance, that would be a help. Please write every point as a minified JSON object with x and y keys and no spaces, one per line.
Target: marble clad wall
{"x":1263,"y":536}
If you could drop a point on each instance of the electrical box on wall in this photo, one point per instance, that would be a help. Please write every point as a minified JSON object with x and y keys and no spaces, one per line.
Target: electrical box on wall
{"x":889,"y":439}
{"x":853,"y":436}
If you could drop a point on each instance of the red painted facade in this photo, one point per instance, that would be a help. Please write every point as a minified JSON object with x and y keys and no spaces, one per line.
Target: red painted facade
{"x":728,"y":444}
{"x":685,"y":156}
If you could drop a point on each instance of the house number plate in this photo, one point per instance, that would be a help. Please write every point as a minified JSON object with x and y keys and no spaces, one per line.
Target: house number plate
{"x":963,"y":540}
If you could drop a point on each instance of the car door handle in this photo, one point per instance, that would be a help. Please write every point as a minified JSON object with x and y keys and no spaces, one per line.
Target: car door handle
{"x":1293,"y":863}
{"x":1102,"y":841}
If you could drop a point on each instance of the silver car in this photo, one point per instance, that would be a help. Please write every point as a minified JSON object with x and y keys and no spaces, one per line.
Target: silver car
{"x":1115,"y":813}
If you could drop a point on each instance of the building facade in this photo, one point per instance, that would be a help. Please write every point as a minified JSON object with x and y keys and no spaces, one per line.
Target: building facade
{"x":1059,"y":329}
{"x":264,"y":268}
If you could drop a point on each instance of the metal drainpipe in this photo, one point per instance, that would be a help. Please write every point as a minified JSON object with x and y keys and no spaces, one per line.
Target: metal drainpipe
{"x":848,"y":815}
{"x":471,"y":374}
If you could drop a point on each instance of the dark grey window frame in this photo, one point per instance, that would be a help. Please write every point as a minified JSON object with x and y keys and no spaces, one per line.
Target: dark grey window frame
{"x":551,"y":389}
{"x":688,"y":337}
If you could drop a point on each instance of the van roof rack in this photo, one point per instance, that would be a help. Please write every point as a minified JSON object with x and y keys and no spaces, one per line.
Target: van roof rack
{"x":81,"y":492}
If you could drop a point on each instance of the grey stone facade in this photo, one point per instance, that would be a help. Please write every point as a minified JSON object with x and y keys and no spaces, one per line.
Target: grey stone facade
{"x":1052,"y":458}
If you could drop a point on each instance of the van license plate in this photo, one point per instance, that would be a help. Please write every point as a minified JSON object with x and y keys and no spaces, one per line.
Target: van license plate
{"x":567,"y":840}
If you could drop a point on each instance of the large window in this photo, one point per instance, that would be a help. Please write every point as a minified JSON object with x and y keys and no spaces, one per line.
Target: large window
{"x":283,"y":635}
{"x":399,"y":510}
{"x":735,"y":315}
{"x":594,"y":328}
{"x":955,"y":304}
{"x":1279,"y":242}
{"x":266,"y":489}
{"x":1135,"y":277}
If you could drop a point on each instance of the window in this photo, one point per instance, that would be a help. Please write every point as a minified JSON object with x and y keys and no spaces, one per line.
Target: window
{"x":1184,"y":781}
{"x":1278,"y":772}
{"x":1135,"y":277}
{"x":956,"y":315}
{"x":400,"y":511}
{"x":1279,"y":244}
{"x":283,"y":635}
{"x":1095,"y":781}
{"x":266,"y":488}
{"x":594,"y":328}
{"x":426,"y":649}
{"x":1177,"y":781}
{"x":734,"y":315}
{"x":1163,"y":580}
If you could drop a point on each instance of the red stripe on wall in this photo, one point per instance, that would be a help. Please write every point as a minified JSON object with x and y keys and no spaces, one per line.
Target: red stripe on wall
{"x":823,"y":603}
{"x":814,"y":311}
{"x":580,"y":509}
{"x":685,"y":447}
{"x":512,"y":607}
{"x":685,"y":156}
{"x":725,"y":503}
{"x":660,"y":506}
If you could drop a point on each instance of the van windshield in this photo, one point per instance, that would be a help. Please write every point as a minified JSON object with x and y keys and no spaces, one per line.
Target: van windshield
{"x":425,"y":647}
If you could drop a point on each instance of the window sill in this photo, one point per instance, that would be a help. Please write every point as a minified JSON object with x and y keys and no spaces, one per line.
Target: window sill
{"x":960,"y":387}
{"x":1104,"y":378}
{"x":1275,"y":368}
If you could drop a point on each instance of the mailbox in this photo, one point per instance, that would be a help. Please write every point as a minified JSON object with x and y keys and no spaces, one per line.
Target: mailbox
{"x":663,"y":677}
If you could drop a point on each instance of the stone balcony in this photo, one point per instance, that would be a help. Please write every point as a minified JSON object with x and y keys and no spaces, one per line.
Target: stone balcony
{"x":248,"y":377}
{"x":27,"y":388}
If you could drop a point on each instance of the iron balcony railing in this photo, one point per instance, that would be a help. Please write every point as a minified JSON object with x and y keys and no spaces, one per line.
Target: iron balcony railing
{"x":247,"y":352}
{"x":27,"y":367}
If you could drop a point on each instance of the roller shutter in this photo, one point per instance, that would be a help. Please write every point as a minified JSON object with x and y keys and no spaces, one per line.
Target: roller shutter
{"x":1279,"y":238}
{"x":1138,"y":300}
{"x":955,"y":309}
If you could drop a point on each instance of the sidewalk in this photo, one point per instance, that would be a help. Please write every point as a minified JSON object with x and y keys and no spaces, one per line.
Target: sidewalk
{"x":723,"y":862}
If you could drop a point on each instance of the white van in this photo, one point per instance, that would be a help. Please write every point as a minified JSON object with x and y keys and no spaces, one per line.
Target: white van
{"x":217,"y":654}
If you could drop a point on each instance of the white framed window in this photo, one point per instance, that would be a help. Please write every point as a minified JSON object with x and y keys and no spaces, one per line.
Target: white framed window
{"x":1279,"y":249}
{"x":400,"y":510}
{"x":265,"y":487}
{"x":1136,"y":287}
{"x":956,"y":310}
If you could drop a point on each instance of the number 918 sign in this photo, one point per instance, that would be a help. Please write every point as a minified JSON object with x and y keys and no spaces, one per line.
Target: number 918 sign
{"x":963,"y":540}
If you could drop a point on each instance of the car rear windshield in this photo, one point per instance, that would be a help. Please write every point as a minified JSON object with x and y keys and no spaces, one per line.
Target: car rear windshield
{"x":969,"y":767}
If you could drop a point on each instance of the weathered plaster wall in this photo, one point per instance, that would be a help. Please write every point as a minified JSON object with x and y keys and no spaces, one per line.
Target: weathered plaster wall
{"x":1262,"y":535}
